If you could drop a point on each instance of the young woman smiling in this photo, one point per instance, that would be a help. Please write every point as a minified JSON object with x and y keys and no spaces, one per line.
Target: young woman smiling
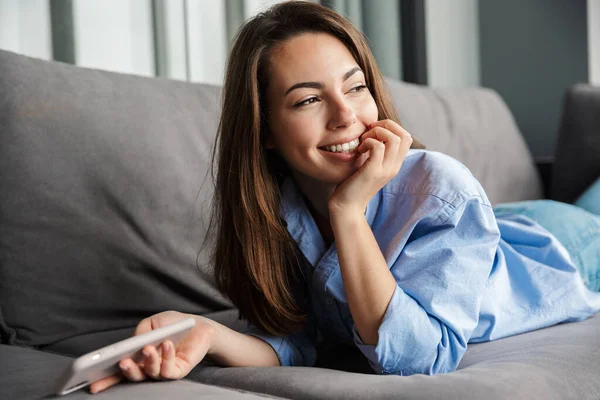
{"x":331,"y":220}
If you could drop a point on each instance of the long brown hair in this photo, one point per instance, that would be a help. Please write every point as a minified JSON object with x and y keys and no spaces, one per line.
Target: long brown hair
{"x":255,"y":259}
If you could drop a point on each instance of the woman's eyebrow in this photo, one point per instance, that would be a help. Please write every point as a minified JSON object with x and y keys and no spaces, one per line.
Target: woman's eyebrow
{"x":319,"y":85}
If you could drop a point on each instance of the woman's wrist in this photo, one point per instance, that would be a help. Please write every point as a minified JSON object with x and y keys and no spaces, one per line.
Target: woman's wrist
{"x":338,"y":210}
{"x":209,"y":329}
{"x":345,"y":218}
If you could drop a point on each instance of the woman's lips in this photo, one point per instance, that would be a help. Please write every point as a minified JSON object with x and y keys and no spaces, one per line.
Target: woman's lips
{"x":342,"y":156}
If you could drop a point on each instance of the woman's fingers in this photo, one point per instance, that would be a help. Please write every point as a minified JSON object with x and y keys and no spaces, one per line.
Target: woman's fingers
{"x":169,"y":368}
{"x":375,"y":148}
{"x":144,"y":326}
{"x":393,"y":127}
{"x":105,"y":383}
{"x":397,"y":143}
{"x":152,"y":362}
{"x":131,"y":370}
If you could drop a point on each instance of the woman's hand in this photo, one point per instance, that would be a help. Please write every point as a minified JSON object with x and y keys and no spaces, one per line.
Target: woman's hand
{"x":167,"y":361}
{"x":388,"y":144}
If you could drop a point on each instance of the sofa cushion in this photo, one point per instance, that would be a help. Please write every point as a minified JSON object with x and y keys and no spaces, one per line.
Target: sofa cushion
{"x":105,"y":189}
{"x":559,"y":362}
{"x":30,"y":374}
{"x":475,"y":126}
{"x":577,"y":153}
{"x":104,"y":199}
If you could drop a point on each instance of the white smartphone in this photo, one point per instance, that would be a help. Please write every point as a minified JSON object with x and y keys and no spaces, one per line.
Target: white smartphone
{"x":104,"y":362}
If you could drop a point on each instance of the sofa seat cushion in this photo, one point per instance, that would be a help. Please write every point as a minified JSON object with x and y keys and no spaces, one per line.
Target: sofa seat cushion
{"x":560,"y":362}
{"x":31,"y":374}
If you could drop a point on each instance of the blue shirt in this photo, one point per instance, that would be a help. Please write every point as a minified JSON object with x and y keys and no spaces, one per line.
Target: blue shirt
{"x":463,"y":274}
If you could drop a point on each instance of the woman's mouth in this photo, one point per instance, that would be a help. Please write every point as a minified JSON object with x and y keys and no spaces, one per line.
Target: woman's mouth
{"x":347,"y":147}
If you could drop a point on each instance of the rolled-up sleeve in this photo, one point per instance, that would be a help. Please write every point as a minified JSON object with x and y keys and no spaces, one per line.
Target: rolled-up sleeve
{"x":440,"y":279}
{"x":297,"y":349}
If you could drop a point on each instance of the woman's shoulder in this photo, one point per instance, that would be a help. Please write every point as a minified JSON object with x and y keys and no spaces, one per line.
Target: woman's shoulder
{"x":427,"y":172}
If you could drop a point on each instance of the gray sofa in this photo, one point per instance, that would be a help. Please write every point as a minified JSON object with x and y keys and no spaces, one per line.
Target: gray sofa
{"x":103,"y":210}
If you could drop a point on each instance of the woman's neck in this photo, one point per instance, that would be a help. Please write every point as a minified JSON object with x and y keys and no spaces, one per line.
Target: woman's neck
{"x":317,"y":195}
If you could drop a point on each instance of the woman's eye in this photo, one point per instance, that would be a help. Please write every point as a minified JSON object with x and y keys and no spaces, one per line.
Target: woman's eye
{"x":358,"y":88}
{"x":306,"y":102}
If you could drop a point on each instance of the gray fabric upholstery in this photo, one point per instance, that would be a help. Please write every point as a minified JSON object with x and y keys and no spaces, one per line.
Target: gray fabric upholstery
{"x":30,"y":374}
{"x":104,"y":199}
{"x":560,"y":362}
{"x":475,"y":126}
{"x":103,"y":209}
{"x":81,"y":344}
{"x":577,"y":153}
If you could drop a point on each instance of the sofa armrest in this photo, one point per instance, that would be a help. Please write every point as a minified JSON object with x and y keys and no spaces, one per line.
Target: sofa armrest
{"x":577,"y":154}
{"x":545,"y":166}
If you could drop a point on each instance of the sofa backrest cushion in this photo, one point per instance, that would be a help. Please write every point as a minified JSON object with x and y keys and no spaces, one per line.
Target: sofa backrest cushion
{"x":475,"y":126}
{"x":105,"y":191}
{"x":103,"y":199}
{"x":577,"y":154}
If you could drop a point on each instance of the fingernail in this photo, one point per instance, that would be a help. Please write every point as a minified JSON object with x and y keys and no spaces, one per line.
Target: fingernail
{"x":166,"y":346}
{"x":146,"y":353}
{"x":124,"y":367}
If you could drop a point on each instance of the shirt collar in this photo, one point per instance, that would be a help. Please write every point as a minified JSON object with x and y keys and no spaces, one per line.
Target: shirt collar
{"x":302,"y":226}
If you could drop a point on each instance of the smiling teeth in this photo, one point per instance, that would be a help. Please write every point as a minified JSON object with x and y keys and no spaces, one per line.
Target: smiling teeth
{"x":344,"y":147}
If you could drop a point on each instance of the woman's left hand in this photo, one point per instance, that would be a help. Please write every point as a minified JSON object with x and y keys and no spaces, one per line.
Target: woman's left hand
{"x":388,"y":144}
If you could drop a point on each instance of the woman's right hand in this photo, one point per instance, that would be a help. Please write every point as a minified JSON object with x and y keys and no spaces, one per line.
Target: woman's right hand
{"x":166,"y":362}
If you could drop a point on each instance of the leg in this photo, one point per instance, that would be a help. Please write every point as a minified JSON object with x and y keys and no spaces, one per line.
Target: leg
{"x":577,"y":229}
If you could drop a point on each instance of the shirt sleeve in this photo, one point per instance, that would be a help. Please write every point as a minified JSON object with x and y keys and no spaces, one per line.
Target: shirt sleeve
{"x":440,"y":277}
{"x":297,"y":349}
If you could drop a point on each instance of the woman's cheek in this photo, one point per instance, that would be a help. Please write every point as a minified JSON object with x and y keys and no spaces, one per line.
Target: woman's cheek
{"x":369,"y":110}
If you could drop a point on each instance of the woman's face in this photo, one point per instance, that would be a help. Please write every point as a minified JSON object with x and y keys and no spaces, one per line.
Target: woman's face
{"x":318,"y":106}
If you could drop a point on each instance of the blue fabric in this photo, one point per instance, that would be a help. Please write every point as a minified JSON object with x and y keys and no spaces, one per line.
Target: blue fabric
{"x":463,"y":274}
{"x":590,"y":199}
{"x":575,"y":228}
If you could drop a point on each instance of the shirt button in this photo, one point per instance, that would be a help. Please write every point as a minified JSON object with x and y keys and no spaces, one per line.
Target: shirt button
{"x":329,"y":301}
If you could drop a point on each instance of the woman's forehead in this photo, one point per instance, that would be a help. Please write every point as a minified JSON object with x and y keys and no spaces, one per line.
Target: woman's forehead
{"x":309,"y":57}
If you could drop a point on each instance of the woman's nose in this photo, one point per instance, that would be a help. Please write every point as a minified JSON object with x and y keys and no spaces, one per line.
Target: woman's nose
{"x":342,"y":116}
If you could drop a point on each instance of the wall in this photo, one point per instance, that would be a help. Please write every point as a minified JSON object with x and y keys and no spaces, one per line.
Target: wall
{"x":531,"y":51}
{"x":593,"y":14}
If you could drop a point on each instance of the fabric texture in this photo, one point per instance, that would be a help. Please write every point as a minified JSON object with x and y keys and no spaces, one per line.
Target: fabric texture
{"x":106,"y":190}
{"x":105,"y":199}
{"x":98,"y":173}
{"x":475,"y":126}
{"x":577,"y":229}
{"x":464,"y":272}
{"x":555,"y":363}
{"x":27,"y":374}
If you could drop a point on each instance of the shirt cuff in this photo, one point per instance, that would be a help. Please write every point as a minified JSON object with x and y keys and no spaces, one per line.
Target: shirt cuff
{"x":292,"y":350}
{"x":283,"y":351}
{"x":369,"y":350}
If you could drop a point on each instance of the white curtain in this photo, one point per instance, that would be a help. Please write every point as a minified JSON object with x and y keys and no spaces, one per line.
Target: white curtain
{"x":25,"y":28}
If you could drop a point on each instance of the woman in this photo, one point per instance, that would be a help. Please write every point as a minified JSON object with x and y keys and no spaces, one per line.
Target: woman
{"x":330,"y":217}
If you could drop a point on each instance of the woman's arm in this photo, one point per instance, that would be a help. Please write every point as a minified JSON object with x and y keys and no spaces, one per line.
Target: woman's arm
{"x":442,"y":275}
{"x":233,"y":349}
{"x":207,"y":338}
{"x":415,"y":311}
{"x":368,"y":281}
